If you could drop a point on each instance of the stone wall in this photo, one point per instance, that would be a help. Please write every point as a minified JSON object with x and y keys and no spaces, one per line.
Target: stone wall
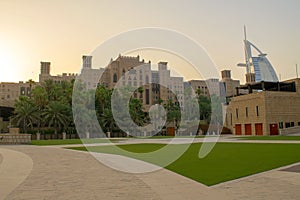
{"x":15,"y":138}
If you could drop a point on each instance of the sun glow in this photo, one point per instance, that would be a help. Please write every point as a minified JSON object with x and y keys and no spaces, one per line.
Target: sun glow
{"x":10,"y":66}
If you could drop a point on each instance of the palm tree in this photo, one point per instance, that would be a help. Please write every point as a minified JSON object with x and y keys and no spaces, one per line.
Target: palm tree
{"x":173,"y":112}
{"x":39,"y":98}
{"x":136,"y":112}
{"x":57,"y":115}
{"x":103,"y":96}
{"x":107,"y":119}
{"x":205,"y":107}
{"x":54,"y":90}
{"x":48,"y":85}
{"x":31,"y":83}
{"x":26,"y":113}
{"x":66,"y":90}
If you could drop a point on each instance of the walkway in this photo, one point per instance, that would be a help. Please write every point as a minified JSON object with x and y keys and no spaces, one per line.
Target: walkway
{"x":56,"y":173}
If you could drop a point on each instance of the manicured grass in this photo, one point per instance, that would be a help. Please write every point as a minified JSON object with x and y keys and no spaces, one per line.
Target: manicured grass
{"x":167,"y":137}
{"x":70,"y":141}
{"x":279,"y":137}
{"x":227,"y":161}
{"x":92,"y":141}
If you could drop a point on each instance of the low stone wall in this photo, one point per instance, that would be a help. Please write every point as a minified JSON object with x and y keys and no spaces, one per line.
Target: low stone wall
{"x":290,"y":131}
{"x":15,"y":139}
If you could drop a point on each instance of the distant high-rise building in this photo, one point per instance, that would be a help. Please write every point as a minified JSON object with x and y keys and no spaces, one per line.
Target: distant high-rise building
{"x":258,"y":67}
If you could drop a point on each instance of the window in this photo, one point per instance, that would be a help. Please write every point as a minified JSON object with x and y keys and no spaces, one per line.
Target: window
{"x":281,"y":125}
{"x":298,"y":123}
{"x":257,"y":111}
{"x":147,"y":96}
{"x":287,"y":124}
{"x":246,"y":111}
{"x":115,"y":78}
{"x":292,"y":124}
{"x":237,"y":113}
{"x":147,"y":79}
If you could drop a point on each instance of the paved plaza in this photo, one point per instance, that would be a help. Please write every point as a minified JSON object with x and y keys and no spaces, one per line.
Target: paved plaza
{"x":34,"y":172}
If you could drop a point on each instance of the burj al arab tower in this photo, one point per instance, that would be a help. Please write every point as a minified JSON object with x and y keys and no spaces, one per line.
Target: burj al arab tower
{"x":258,"y":67}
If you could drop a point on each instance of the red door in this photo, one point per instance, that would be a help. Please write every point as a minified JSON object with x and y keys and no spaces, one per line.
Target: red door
{"x":274,"y":129}
{"x":259,"y":129}
{"x":248,"y":130}
{"x":170,"y":131}
{"x":238,"y":129}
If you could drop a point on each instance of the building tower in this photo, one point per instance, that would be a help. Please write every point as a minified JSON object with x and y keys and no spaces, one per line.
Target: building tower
{"x":87,"y":61}
{"x":258,"y":68}
{"x":45,"y":68}
{"x":226,"y":74}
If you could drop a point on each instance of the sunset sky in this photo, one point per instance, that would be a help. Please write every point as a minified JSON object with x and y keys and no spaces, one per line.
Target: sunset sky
{"x":61,"y":31}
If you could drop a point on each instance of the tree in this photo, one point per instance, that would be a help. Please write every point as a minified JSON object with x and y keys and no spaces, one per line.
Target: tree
{"x":31,"y":83}
{"x":66,"y":91}
{"x":39,"y":98}
{"x":204,"y":107}
{"x":173,"y":112}
{"x":26,"y":113}
{"x":107,"y":119}
{"x":103,"y":97}
{"x":57,"y":115}
{"x":136,"y":112}
{"x":54,"y":90}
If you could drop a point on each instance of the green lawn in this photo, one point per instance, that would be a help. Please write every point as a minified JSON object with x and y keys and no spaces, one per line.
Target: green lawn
{"x":277,"y":137}
{"x":227,"y":161}
{"x":71,"y":141}
{"x":92,"y":141}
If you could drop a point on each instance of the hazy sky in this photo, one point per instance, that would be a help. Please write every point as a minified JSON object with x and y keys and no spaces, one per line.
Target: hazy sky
{"x":62,"y":31}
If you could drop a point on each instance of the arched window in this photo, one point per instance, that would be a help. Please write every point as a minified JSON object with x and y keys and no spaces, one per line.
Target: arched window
{"x":115,"y":78}
{"x":147,"y":79}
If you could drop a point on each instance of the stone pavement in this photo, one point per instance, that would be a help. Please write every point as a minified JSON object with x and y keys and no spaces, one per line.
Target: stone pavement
{"x":32,"y":172}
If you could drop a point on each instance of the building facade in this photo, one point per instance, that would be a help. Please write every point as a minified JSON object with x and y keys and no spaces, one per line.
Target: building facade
{"x":267,"y":108}
{"x":228,"y":85}
{"x":10,"y":92}
{"x":158,"y":86}
{"x":45,"y":74}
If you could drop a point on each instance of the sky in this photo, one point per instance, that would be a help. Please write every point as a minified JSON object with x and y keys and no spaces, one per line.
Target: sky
{"x":61,"y":31}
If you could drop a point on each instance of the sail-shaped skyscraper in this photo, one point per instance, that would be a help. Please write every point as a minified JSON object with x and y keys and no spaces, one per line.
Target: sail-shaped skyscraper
{"x":258,"y":67}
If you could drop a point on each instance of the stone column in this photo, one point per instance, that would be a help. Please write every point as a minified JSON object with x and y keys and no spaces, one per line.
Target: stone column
{"x":64,"y":135}
{"x":38,"y":136}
